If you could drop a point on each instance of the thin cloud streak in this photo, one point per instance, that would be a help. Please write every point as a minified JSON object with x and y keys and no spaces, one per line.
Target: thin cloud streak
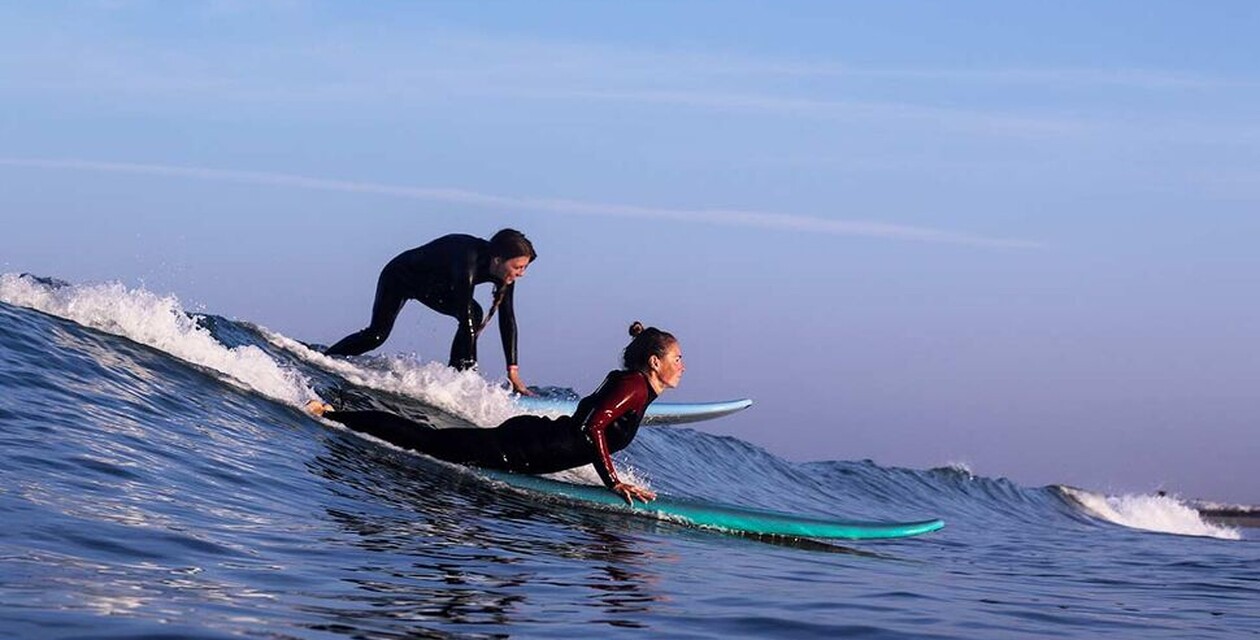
{"x":721,"y":217}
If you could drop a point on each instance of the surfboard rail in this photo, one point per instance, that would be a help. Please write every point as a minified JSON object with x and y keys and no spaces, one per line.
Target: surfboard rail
{"x":726,"y":518}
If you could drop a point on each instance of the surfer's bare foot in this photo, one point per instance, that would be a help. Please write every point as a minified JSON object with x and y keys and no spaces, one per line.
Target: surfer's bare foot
{"x":318,"y":407}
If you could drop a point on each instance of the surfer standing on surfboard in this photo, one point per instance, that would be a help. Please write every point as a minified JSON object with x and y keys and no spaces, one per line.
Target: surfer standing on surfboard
{"x":605,"y":422}
{"x":442,"y":275}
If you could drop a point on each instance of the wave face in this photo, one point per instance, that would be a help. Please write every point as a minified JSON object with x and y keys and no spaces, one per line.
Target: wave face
{"x":159,"y":477}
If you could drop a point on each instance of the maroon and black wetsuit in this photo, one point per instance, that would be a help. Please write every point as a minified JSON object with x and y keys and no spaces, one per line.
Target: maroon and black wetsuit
{"x":441,"y":274}
{"x":605,"y":422}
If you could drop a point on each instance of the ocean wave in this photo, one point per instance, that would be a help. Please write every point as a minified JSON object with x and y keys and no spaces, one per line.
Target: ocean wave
{"x":1160,"y":513}
{"x":677,"y":460}
{"x":159,"y":322}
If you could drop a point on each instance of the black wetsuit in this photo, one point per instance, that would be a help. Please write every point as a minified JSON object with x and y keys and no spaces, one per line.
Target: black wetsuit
{"x":605,"y":422}
{"x":441,"y":274}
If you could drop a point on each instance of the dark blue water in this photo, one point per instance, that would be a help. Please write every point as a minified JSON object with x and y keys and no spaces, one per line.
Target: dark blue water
{"x":158,"y":479}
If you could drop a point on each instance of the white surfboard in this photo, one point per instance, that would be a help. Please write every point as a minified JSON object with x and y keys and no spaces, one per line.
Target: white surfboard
{"x":658,"y":413}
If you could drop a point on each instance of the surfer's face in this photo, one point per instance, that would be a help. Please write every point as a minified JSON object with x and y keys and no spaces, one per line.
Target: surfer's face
{"x":507,"y":271}
{"x":669,"y":369}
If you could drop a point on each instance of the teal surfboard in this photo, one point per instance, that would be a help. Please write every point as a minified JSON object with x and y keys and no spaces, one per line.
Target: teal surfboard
{"x":658,"y":413}
{"x":726,"y":518}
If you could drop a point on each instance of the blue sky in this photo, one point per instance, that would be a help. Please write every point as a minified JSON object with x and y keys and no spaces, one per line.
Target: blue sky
{"x":1015,"y":235}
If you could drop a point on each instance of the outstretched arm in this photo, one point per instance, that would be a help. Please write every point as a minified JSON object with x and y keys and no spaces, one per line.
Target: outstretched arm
{"x":613,"y":404}
{"x":507,"y":332}
{"x":608,"y":473}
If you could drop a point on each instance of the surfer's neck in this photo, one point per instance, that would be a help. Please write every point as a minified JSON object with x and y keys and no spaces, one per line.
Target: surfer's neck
{"x":655,"y":382}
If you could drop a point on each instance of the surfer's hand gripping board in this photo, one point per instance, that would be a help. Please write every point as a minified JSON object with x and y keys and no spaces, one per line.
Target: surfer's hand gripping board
{"x":629,"y":492}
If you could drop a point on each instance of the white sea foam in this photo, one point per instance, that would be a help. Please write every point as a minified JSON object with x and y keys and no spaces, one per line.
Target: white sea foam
{"x":162,"y":323}
{"x":159,"y":322}
{"x":1165,"y":514}
{"x":463,"y":393}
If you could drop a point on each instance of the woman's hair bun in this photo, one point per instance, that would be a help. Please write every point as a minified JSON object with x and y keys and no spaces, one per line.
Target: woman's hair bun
{"x":646,"y":342}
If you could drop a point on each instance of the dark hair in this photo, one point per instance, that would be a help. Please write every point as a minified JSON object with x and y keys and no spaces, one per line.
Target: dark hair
{"x":510,"y":243}
{"x":505,"y":245}
{"x":647,"y":343}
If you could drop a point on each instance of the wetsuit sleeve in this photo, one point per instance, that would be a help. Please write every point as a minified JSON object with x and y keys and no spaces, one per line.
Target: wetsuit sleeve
{"x":507,"y":325}
{"x":626,"y":394}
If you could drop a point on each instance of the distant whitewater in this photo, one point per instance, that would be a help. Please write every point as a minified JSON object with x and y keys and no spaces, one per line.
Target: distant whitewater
{"x":160,"y":478}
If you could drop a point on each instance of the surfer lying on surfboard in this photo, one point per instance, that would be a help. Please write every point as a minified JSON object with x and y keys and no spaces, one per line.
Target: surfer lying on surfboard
{"x":605,"y":422}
